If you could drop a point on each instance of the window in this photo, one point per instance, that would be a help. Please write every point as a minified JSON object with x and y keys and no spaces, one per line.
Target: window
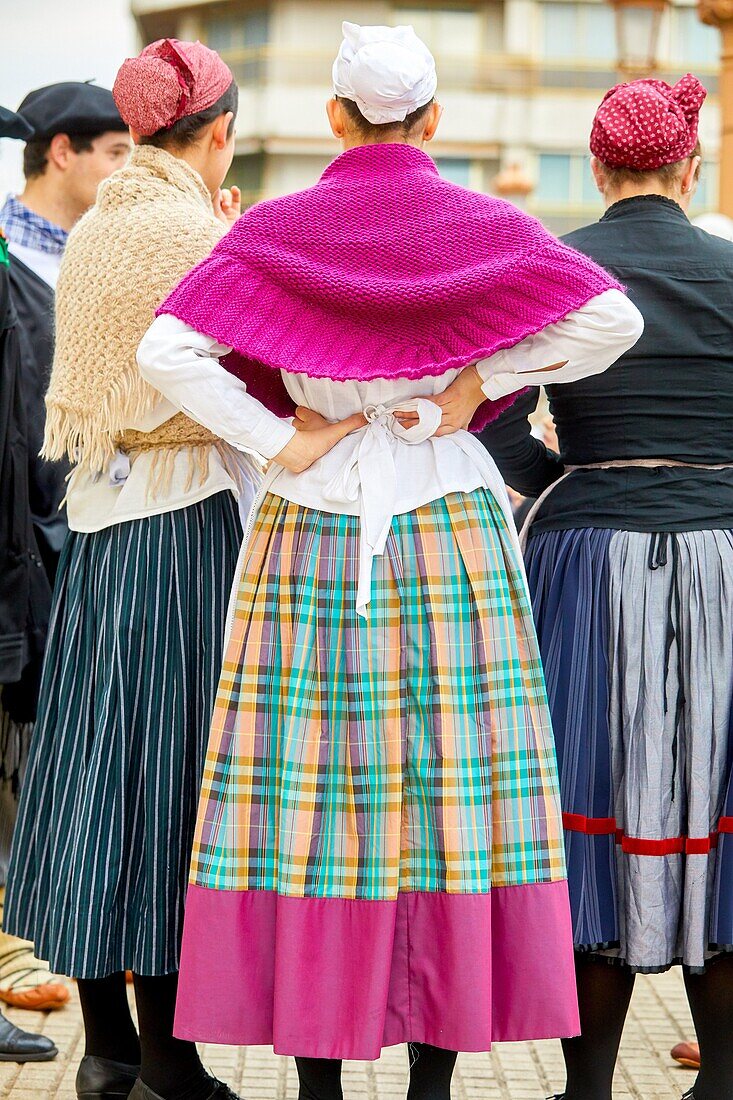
{"x":693,"y":43}
{"x":455,"y":169}
{"x":566,"y":180}
{"x":579,"y":32}
{"x":247,"y":172}
{"x":240,"y":40}
{"x":554,"y":182}
{"x":590,"y":193}
{"x":454,"y":31}
{"x":490,"y":170}
{"x":478,"y":174}
{"x":706,"y":195}
{"x":239,"y":32}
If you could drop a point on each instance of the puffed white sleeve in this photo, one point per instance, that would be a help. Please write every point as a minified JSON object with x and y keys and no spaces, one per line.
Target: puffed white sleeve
{"x":585,"y":342}
{"x":184,"y":366}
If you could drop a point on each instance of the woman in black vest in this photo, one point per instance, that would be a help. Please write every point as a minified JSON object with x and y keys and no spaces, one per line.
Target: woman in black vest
{"x":630,"y":563}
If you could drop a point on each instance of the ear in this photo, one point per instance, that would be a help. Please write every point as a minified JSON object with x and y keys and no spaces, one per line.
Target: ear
{"x":220,"y":130}
{"x":135,"y":137}
{"x":434,"y":116}
{"x":336,"y":118}
{"x":598,"y":174}
{"x":60,"y":152}
{"x":689,"y":179}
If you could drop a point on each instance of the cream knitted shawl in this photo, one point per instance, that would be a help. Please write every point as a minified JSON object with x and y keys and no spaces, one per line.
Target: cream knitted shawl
{"x":153,"y":221}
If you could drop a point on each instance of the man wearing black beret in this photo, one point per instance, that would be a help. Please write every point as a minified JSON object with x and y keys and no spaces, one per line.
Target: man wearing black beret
{"x":74,"y":138}
{"x":13,"y":126}
{"x":25,"y":595}
{"x":77,"y":140}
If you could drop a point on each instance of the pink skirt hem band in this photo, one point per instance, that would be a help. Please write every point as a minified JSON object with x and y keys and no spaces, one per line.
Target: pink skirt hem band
{"x":336,"y":978}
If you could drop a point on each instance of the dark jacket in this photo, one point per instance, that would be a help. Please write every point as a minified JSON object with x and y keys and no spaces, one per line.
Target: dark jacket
{"x":34,"y":304}
{"x":25,"y":593}
{"x":670,"y":396}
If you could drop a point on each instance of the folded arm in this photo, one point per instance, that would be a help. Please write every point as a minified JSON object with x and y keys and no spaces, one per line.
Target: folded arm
{"x":585,"y":342}
{"x":184,"y":366}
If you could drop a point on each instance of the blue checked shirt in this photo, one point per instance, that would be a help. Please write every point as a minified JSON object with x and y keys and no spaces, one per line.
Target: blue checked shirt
{"x":24,"y":227}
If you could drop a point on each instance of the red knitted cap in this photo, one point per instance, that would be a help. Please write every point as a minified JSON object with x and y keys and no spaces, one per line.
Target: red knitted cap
{"x":168,"y":81}
{"x":648,"y":123}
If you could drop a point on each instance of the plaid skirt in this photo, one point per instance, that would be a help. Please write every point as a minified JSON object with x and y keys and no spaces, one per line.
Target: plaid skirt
{"x":379,"y":854}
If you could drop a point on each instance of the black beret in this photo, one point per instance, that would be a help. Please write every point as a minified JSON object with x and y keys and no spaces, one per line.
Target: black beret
{"x":70,"y":108}
{"x":13,"y":126}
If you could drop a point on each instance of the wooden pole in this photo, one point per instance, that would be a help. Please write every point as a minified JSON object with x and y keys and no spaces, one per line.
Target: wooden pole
{"x":725,"y":201}
{"x":719,"y":13}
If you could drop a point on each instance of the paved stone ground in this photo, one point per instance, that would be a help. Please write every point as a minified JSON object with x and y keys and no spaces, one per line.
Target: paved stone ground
{"x":516,"y":1071}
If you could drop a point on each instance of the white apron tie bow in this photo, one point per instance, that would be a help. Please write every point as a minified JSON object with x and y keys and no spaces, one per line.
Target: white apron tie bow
{"x":370,"y":477}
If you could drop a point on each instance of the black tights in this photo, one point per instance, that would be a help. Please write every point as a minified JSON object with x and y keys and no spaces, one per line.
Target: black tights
{"x":170,"y":1067}
{"x":108,"y":1028}
{"x":604,"y":993}
{"x":431,"y":1070}
{"x":711,"y":1003}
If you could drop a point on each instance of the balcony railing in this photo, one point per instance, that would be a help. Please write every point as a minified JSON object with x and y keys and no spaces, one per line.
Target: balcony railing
{"x":480,"y":73}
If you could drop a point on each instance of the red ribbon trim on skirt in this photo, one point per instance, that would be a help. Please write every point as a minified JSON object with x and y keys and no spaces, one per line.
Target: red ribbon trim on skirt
{"x":639,"y":846}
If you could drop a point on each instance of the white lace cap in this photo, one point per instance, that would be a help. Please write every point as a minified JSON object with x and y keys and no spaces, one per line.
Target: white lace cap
{"x":387,"y":71}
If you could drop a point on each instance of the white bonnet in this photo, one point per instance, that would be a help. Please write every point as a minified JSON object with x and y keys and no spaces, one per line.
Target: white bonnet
{"x":387,"y":71}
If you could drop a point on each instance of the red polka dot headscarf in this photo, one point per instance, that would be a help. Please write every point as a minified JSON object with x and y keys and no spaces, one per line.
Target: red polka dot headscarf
{"x":648,"y":123}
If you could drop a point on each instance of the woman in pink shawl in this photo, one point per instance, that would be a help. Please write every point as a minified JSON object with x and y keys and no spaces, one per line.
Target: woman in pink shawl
{"x":379,"y":854}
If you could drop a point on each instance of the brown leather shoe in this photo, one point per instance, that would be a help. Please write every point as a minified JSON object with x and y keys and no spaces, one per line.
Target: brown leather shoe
{"x":41,"y":998}
{"x":687,"y":1054}
{"x":25,"y":981}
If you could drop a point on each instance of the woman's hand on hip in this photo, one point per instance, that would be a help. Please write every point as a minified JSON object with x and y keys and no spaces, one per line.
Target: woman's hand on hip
{"x":460,"y":401}
{"x":306,"y":420}
{"x":457,"y":403}
{"x":308,"y":445}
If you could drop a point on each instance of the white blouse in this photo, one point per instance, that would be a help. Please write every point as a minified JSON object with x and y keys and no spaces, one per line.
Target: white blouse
{"x":381,"y":470}
{"x":124,"y":492}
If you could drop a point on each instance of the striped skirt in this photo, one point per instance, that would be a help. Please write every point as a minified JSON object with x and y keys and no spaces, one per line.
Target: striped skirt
{"x":636,"y":634}
{"x":101,"y":849}
{"x":379,"y":855}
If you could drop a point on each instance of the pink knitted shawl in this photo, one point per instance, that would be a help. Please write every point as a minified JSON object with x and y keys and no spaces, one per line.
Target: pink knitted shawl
{"x":381,"y":270}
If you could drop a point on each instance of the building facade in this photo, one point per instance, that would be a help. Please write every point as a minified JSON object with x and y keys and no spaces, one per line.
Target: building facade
{"x":519,"y":80}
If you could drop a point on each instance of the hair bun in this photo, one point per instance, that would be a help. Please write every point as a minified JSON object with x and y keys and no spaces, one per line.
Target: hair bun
{"x":690,"y":94}
{"x":147,"y":92}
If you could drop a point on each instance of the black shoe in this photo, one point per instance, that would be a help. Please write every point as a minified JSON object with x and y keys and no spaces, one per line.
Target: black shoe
{"x":689,"y":1095}
{"x":103,"y":1079}
{"x":23,"y":1046}
{"x":219,"y":1091}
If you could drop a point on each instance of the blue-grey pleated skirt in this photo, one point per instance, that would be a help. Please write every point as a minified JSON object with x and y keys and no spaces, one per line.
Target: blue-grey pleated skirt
{"x":101,"y":849}
{"x":636,"y":636}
